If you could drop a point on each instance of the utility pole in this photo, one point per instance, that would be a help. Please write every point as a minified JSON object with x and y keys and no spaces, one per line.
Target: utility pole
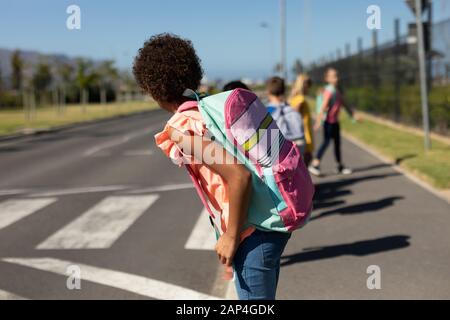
{"x":283,"y":64}
{"x":397,"y":79}
{"x":423,"y":73}
{"x":430,"y":45}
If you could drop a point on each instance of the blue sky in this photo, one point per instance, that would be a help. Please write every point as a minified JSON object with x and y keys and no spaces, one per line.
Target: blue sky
{"x":227,"y":34}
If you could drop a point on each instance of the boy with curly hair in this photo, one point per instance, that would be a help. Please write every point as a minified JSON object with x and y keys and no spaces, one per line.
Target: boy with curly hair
{"x":165,"y":67}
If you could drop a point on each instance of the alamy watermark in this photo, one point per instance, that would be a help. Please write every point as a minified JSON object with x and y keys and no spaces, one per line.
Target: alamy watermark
{"x":73,"y":281}
{"x":73,"y":21}
{"x":262,"y":147}
{"x":374,"y":19}
{"x":374,"y":280}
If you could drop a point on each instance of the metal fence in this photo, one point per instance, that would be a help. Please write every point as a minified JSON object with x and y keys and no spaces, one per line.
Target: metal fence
{"x":384,"y":79}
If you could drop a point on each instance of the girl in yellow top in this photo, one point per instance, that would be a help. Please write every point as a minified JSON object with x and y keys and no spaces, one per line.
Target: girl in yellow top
{"x":298,"y":101}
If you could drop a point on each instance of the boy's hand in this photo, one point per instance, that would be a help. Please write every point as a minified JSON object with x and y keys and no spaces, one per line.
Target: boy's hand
{"x":357,"y":118}
{"x":226,"y":247}
{"x":317,"y":125}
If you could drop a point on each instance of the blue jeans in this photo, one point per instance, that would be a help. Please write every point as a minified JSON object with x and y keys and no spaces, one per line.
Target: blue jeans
{"x":257,"y":265}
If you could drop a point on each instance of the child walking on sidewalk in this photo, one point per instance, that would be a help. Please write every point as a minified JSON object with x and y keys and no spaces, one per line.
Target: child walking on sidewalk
{"x":332,"y":103}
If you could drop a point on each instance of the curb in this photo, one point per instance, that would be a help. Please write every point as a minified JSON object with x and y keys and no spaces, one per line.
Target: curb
{"x":444,"y":195}
{"x":35,"y":132}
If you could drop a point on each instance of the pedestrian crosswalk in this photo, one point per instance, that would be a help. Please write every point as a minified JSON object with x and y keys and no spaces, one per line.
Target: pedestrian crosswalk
{"x":102,"y":225}
{"x":99,"y":226}
{"x":202,"y":236}
{"x":14,"y":210}
{"x":117,"y":279}
{"x":5,"y":295}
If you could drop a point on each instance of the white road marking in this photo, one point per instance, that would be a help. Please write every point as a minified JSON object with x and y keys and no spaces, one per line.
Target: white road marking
{"x":168,"y":187}
{"x":12,"y":192}
{"x":138,"y":153}
{"x":15,"y":209}
{"x":202,"y":236}
{"x":125,"y":281}
{"x":102,"y":225}
{"x":114,"y":143}
{"x":71,"y":191}
{"x":5,"y":295}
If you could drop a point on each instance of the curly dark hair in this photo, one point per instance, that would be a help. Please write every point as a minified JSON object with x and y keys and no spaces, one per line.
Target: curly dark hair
{"x":166,"y":66}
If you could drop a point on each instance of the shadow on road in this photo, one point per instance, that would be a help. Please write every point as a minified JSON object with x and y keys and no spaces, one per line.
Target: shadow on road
{"x":360,"y":208}
{"x":360,"y":248}
{"x":372,"y":167}
{"x":322,"y":205}
{"x":397,"y":161}
{"x":327,"y":192}
{"x":325,"y":187}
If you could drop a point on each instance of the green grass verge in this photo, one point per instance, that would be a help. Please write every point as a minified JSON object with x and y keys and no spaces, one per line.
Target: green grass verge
{"x":14,"y":121}
{"x":432,"y":166}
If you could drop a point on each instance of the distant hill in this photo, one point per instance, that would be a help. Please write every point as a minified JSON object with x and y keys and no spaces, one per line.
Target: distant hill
{"x":31,"y":58}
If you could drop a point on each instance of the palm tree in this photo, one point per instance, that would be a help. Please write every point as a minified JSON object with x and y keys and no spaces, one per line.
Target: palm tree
{"x":41,"y":80}
{"x":128,"y":85}
{"x":107,"y":78}
{"x":17,"y":65}
{"x":66,"y":74}
{"x":85,"y":78}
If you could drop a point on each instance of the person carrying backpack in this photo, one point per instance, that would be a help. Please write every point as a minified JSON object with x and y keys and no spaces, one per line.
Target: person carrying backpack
{"x":329,"y":103}
{"x":288,"y":120}
{"x":299,"y":103}
{"x":249,"y":177}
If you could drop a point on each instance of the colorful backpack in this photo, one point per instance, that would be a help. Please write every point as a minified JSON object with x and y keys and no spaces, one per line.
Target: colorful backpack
{"x":319,"y":100}
{"x":282,"y":191}
{"x":288,"y":120}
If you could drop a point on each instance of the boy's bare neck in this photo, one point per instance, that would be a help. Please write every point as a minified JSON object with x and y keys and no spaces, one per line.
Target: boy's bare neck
{"x":277,"y":100}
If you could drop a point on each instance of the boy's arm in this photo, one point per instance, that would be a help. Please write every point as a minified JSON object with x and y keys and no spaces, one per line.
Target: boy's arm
{"x":238,"y":184}
{"x":349,"y":109}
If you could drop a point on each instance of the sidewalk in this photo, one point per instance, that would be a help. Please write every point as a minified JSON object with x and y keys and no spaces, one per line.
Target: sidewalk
{"x":378,"y":217}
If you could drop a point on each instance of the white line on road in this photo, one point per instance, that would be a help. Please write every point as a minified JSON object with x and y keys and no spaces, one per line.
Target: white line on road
{"x":14,"y":210}
{"x":138,"y":153}
{"x":71,"y":191}
{"x":202,"y":236}
{"x":168,"y":187}
{"x":114,"y":143}
{"x":12,"y":192}
{"x":5,"y":295}
{"x":102,"y":225}
{"x":125,"y":281}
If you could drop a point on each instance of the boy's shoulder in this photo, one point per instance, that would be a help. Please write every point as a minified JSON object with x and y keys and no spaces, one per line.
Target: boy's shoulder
{"x":187,"y":121}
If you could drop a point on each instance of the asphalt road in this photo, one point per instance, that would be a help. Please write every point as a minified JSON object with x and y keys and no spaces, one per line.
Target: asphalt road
{"x":102,"y":201}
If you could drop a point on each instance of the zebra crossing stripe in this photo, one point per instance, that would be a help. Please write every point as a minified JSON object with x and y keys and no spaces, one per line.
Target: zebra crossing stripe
{"x":13,"y":210}
{"x":102,"y":225}
{"x":202,"y":236}
{"x":5,"y":295}
{"x":125,"y":281}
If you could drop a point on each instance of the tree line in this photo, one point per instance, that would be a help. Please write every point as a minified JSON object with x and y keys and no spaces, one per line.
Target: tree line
{"x":81,"y":81}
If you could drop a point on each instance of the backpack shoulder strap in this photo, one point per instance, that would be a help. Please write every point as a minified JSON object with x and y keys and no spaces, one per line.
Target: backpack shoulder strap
{"x":199,"y":189}
{"x":189,"y":105}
